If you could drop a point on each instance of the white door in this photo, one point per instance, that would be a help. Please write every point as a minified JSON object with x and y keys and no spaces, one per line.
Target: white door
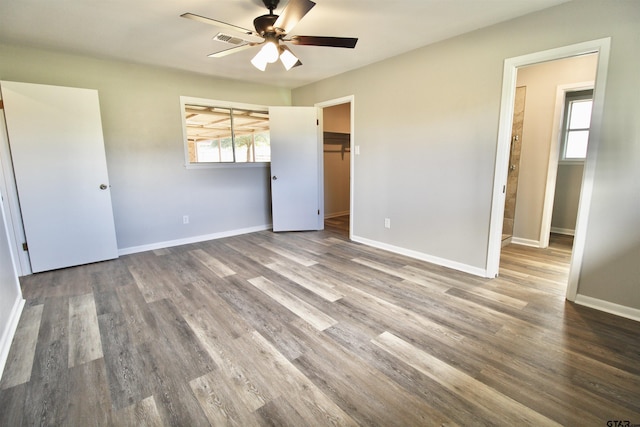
{"x":57,"y":147}
{"x":295,"y":169}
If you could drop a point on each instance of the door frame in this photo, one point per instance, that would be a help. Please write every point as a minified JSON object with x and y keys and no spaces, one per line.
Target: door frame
{"x":511,"y":65}
{"x":353,"y":152}
{"x":554,"y":155}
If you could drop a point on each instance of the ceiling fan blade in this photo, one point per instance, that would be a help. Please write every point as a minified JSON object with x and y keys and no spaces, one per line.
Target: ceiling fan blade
{"x":226,"y":52}
{"x":292,"y":14}
{"x":346,"y":42}
{"x":217,"y":23}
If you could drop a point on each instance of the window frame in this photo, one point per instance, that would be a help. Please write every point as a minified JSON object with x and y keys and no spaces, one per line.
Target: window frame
{"x":569,"y":98}
{"x":205,"y":102}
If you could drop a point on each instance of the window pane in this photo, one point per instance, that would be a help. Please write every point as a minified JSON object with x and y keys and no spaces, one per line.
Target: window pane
{"x":244,"y":148}
{"x":576,"y":147}
{"x":207,"y":151}
{"x":226,"y":134}
{"x":226,"y":150}
{"x":262,"y":147}
{"x":247,"y":125}
{"x":206,"y":127}
{"x":580,"y":114}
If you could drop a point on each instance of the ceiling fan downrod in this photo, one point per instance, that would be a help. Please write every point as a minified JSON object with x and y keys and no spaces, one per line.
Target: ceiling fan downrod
{"x":271,"y":5}
{"x":264,"y":24}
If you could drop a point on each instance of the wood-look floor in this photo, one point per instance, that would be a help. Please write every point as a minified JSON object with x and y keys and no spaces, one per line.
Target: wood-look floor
{"x":309,"y":329}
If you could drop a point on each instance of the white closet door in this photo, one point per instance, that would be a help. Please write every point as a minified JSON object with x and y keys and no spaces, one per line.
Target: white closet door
{"x":57,"y":147}
{"x":295,"y":177}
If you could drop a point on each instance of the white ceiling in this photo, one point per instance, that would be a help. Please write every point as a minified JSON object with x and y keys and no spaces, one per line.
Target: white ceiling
{"x":152,"y":31}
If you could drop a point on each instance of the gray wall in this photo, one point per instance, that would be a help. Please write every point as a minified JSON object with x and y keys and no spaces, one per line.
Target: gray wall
{"x":567,"y":196}
{"x":141,"y":118}
{"x":428,"y":141}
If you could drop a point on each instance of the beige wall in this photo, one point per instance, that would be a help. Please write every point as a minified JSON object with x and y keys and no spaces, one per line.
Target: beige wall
{"x":426,"y":123}
{"x":542,"y":81}
{"x":567,"y":196}
{"x":141,"y":118}
{"x":336,"y":118}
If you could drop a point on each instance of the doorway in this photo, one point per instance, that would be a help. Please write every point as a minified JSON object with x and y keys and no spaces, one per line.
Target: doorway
{"x":515,"y":152}
{"x":531,"y":210}
{"x":511,"y":67}
{"x":337,"y":141}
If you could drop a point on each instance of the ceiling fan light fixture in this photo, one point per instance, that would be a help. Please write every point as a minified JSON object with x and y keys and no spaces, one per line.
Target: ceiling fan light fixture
{"x":270,"y":51}
{"x":288,"y":59}
{"x":272,"y":29}
{"x":259,"y":61}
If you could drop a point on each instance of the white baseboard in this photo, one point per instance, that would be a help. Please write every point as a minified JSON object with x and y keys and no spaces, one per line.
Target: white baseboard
{"x":609,"y":307}
{"x":9,"y":332}
{"x":335,"y":214}
{"x":525,"y":242}
{"x":422,"y":256}
{"x":565,"y":231}
{"x":194,"y":239}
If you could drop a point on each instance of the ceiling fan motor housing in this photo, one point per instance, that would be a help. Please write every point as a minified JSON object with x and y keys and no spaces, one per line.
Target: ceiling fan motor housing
{"x":264,"y":24}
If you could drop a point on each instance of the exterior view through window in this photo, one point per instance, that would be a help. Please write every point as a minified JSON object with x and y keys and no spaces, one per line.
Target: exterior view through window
{"x":226,"y":134}
{"x":577,"y":120}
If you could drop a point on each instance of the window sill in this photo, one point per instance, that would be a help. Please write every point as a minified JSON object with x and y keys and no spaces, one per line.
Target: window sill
{"x":577,"y":162}
{"x":227,"y":165}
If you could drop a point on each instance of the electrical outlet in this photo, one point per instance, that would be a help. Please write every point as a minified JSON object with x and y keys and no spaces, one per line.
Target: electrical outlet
{"x":185,"y":219}
{"x":387,"y":223}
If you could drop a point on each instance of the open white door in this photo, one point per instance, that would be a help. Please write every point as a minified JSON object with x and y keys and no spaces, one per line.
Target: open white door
{"x":295,"y":169}
{"x":57,"y":147}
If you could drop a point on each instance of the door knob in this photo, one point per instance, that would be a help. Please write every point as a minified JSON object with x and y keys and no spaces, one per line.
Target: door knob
{"x":274,"y":177}
{"x":103,"y":186}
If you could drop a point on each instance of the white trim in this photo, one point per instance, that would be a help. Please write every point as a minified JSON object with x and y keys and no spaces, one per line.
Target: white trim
{"x":9,"y":332}
{"x":227,"y":165}
{"x":422,"y":256}
{"x":193,"y":239}
{"x":320,"y":157}
{"x":338,"y":101}
{"x":608,"y":307}
{"x":588,"y":176}
{"x":602,"y":47}
{"x":554,"y":156}
{"x":525,"y":242}
{"x":565,"y":231}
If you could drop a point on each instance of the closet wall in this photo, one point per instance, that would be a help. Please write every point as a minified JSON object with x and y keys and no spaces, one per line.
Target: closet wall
{"x":337,"y":159}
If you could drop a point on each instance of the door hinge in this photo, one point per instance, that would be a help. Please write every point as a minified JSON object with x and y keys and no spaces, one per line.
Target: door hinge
{"x":317,"y":122}
{"x":25,"y":247}
{"x":318,"y":211}
{"x":504,"y":189}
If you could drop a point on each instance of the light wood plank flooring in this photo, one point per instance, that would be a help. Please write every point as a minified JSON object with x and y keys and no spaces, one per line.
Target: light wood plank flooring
{"x":309,"y":329}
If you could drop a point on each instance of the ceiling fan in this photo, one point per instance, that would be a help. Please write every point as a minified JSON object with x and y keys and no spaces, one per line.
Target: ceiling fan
{"x":270,"y":31}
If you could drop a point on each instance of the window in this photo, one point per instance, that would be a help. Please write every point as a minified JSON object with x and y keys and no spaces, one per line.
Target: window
{"x":577,"y":119}
{"x":218,"y":132}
